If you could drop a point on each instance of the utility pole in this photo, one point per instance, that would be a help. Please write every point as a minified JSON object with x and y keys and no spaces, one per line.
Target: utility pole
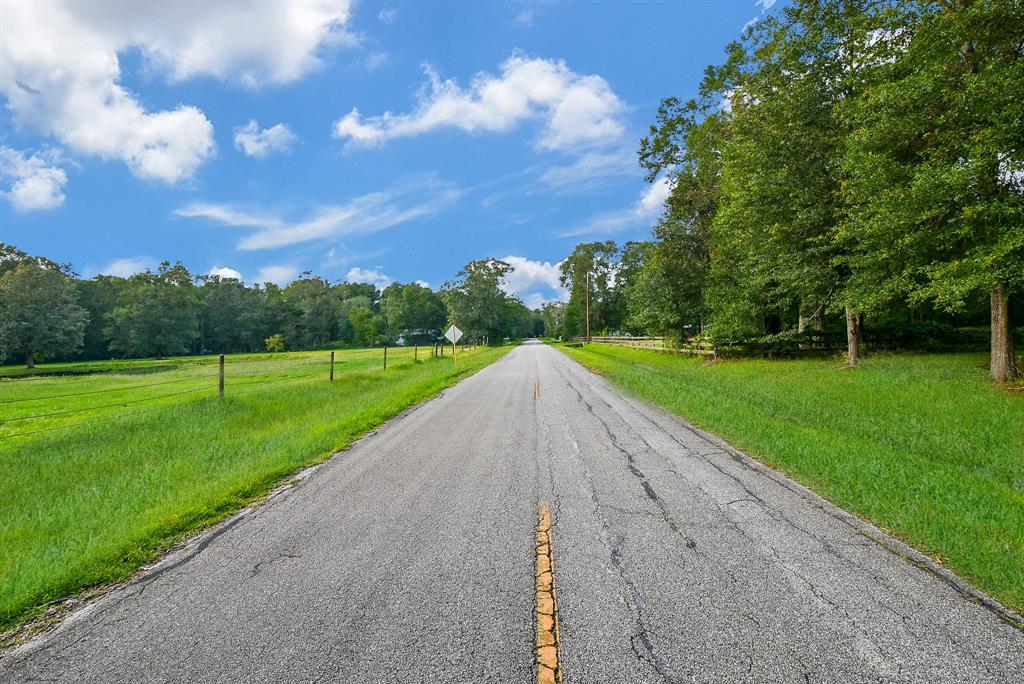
{"x":588,"y":307}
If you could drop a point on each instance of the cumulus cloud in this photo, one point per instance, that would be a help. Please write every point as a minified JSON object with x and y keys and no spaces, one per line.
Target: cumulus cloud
{"x":123,"y":268}
{"x":373,"y":276}
{"x":62,"y":69}
{"x":224,"y":272}
{"x":535,"y":282}
{"x":365,"y":214}
{"x":765,"y":5}
{"x":256,"y":142}
{"x":575,"y":110}
{"x":279,"y":274}
{"x":647,"y":208}
{"x":36,"y":181}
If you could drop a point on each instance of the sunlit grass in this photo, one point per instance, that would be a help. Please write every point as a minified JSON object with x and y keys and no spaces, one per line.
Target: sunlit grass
{"x":925,"y":446}
{"x":89,"y":496}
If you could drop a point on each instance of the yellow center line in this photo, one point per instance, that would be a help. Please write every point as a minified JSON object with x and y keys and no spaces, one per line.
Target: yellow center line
{"x":549,"y":668}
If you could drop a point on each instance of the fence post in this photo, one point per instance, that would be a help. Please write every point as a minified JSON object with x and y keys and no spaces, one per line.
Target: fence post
{"x":220,"y":380}
{"x":415,"y":352}
{"x":332,"y":366}
{"x":385,"y":356}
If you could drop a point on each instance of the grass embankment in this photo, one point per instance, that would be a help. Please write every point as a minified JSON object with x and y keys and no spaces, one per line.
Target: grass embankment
{"x":94,"y":494}
{"x":925,"y":446}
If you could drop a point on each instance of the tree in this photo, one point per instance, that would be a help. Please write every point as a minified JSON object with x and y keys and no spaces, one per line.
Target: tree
{"x":157,"y":314}
{"x":783,"y":175}
{"x":937,"y":164}
{"x":589,"y":274}
{"x":686,"y":146}
{"x":364,"y":325}
{"x":39,"y":313}
{"x":275,"y":343}
{"x":413,"y":312}
{"x":313,"y":299}
{"x":476,"y":303}
{"x":99,"y":297}
{"x":553,"y":317}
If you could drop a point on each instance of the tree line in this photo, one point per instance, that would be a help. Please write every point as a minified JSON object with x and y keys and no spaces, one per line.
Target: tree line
{"x":47,"y":312}
{"x":850,"y":161}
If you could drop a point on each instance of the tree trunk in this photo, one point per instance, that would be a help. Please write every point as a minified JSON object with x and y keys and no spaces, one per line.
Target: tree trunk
{"x":853,"y":332}
{"x":1002,"y":366}
{"x":30,"y":360}
{"x":819,"y":321}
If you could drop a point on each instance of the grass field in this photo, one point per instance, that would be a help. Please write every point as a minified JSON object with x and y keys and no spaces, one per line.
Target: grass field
{"x":118,"y":465}
{"x":924,"y":446}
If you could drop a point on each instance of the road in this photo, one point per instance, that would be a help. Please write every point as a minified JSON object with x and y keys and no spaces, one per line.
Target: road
{"x":411,"y":558}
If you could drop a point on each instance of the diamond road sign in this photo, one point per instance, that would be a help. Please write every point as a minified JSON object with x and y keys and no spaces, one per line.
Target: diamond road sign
{"x":453,"y":334}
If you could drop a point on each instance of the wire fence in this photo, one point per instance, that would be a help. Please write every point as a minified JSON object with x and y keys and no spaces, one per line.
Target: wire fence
{"x":242,"y":371}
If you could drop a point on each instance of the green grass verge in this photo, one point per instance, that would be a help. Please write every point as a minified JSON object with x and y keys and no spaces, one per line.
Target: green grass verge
{"x":924,"y":446}
{"x":90,"y":496}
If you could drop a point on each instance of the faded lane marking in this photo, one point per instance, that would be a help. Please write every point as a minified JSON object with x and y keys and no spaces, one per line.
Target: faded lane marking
{"x":549,"y":668}
{"x":536,"y":388}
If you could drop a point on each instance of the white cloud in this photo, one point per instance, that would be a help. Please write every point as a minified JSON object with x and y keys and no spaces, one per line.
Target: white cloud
{"x":365,"y":214}
{"x":376,"y":60}
{"x":388,"y":15}
{"x":36,"y":181}
{"x":224,"y":272}
{"x":576,"y":110}
{"x":423,"y":283}
{"x":256,"y":142}
{"x":62,"y":70}
{"x":765,"y":5}
{"x":374,"y":276}
{"x":123,"y":268}
{"x":647,"y":208}
{"x":588,"y":170}
{"x":524,"y":18}
{"x":527,"y":276}
{"x":278,"y":274}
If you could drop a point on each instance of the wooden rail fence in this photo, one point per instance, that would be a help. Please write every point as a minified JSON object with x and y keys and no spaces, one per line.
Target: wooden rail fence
{"x":701,"y":348}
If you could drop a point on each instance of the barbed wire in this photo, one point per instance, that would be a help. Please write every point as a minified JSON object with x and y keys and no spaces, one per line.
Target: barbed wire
{"x":103,"y":391}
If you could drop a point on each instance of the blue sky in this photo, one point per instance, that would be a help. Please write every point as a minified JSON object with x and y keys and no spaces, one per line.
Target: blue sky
{"x":361,"y":141}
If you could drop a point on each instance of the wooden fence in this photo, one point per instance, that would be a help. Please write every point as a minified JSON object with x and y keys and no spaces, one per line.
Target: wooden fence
{"x":702,"y":348}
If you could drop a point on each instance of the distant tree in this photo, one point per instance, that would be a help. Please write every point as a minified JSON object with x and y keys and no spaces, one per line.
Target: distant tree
{"x":364,"y":325}
{"x":275,"y":343}
{"x":39,"y":313}
{"x":228,"y":314}
{"x":99,"y":297}
{"x":157,"y":314}
{"x":476,"y":302}
{"x":413,"y":312}
{"x":553,"y":317}
{"x":314,"y":300}
{"x":591,"y":266}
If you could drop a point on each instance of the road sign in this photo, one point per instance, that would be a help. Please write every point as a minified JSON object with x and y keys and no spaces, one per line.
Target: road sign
{"x":453,"y":334}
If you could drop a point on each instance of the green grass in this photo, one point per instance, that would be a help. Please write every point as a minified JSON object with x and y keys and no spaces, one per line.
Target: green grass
{"x":89,"y":496}
{"x":925,"y":446}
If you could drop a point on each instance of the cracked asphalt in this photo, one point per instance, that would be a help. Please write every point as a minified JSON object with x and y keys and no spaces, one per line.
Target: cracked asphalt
{"x":410,"y":558}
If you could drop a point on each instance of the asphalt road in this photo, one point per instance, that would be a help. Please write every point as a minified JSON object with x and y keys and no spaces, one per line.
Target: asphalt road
{"x":410,"y":558}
